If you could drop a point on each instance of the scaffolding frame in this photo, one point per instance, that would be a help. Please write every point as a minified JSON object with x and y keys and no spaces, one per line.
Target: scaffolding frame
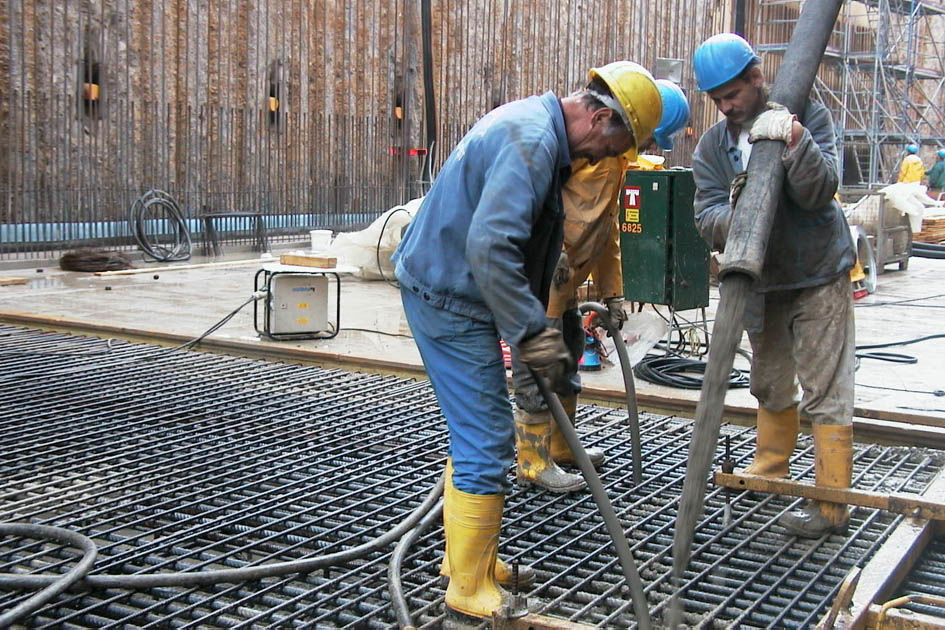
{"x":882,"y":77}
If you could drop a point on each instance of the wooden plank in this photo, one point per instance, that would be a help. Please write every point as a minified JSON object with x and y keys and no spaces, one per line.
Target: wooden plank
{"x":231,"y":263}
{"x":900,"y":502}
{"x":308,"y":260}
{"x":10,"y":281}
{"x":890,"y":564}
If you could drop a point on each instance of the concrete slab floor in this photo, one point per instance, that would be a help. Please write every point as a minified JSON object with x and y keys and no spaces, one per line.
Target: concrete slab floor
{"x":907,"y":305}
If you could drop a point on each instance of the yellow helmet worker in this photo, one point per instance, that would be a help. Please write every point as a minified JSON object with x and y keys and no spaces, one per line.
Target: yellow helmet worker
{"x":637,"y":96}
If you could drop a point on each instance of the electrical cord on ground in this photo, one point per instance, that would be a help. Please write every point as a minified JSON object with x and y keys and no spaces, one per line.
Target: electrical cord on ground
{"x":379,"y":332}
{"x":158,"y":354}
{"x":937,"y":392}
{"x":19,"y":581}
{"x":60,"y":583}
{"x":394,"y":584}
{"x":908,"y":302}
{"x":380,"y":237}
{"x":143,"y":212}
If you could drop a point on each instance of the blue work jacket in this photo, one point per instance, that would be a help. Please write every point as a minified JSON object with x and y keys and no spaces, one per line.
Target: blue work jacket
{"x":488,"y":234}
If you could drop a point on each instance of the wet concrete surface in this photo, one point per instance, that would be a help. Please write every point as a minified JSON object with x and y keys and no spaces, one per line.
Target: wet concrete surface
{"x":907,"y":305}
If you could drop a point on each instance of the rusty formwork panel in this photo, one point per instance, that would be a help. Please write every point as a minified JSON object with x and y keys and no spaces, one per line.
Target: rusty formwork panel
{"x":186,"y":461}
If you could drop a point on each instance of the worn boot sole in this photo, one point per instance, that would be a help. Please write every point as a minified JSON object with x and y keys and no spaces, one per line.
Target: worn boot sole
{"x":800,"y":524}
{"x":455,"y":620}
{"x":563,"y":489}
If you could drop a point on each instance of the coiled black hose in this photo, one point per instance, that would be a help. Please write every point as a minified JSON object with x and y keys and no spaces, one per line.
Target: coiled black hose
{"x":144,"y":212}
{"x":676,"y":372}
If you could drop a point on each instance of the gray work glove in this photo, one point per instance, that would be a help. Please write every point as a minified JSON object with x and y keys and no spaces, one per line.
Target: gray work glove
{"x":775,"y":123}
{"x":615,"y":309}
{"x":738,"y":184}
{"x":546,"y":354}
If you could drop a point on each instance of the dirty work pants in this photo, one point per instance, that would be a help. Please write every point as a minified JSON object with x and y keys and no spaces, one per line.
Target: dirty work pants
{"x":807,"y":333}
{"x":527,"y":396}
{"x":463,"y":360}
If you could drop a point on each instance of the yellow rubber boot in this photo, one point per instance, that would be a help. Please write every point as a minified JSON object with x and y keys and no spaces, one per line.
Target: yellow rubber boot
{"x":560,"y":451}
{"x":472,"y":523}
{"x":535,"y":464}
{"x":503,"y":574}
{"x":777,"y":437}
{"x":833,"y":468}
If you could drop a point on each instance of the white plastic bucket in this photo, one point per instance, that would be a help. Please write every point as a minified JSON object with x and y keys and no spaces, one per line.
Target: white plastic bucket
{"x":321,"y":239}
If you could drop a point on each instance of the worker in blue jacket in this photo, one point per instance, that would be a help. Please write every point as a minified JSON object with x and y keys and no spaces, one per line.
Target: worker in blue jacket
{"x":799,"y":316}
{"x":475,"y":265}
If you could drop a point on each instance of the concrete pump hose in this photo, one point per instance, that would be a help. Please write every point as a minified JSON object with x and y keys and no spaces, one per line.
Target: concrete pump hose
{"x":611,"y":521}
{"x":16,"y":581}
{"x":59,"y":583}
{"x":394,"y":585}
{"x":636,"y":449}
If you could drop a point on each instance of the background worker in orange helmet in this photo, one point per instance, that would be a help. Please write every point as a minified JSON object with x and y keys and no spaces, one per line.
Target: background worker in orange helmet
{"x":475,"y":265}
{"x":591,"y":244}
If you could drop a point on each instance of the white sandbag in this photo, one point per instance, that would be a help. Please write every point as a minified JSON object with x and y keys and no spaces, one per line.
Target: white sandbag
{"x":910,"y":199}
{"x":367,"y":248}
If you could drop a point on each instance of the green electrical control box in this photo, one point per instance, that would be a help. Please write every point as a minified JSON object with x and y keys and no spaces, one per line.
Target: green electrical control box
{"x":664,"y":259}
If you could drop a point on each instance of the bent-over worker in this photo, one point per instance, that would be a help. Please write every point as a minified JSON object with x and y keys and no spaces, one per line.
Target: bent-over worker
{"x":475,"y":265}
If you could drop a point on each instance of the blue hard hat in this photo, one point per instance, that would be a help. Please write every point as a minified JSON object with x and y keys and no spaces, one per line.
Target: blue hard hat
{"x":941,"y":153}
{"x":720,"y":59}
{"x":675,"y":113}
{"x":912,"y":148}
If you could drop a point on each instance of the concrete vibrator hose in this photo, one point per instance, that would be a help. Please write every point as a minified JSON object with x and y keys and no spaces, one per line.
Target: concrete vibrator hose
{"x":55,"y":584}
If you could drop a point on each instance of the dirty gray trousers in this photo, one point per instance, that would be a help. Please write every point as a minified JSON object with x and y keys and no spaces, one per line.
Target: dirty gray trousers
{"x":807,"y":333}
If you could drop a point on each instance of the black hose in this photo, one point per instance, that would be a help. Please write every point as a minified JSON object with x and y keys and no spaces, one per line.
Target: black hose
{"x":611,"y":521}
{"x":16,"y":581}
{"x":636,"y":449}
{"x":394,"y":585}
{"x":146,"y":206}
{"x":59,"y":583}
{"x":928,"y":253}
{"x":936,"y":247}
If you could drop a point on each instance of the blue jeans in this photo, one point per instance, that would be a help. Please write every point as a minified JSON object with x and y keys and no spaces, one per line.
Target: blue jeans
{"x":463,"y":359}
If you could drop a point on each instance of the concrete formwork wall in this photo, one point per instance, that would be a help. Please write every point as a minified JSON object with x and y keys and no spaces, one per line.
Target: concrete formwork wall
{"x":185,"y":86}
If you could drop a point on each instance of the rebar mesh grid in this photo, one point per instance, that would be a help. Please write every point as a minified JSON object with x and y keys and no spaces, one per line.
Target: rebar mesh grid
{"x":926,"y":578}
{"x":186,"y":461}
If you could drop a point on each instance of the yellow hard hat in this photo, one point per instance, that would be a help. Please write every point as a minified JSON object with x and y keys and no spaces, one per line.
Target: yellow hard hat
{"x":639,"y":98}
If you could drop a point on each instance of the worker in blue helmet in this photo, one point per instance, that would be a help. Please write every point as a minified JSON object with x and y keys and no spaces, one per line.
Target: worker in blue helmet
{"x":675,"y":114}
{"x":799,"y":315}
{"x":591,"y":245}
{"x":936,"y":175}
{"x":911,"y":169}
